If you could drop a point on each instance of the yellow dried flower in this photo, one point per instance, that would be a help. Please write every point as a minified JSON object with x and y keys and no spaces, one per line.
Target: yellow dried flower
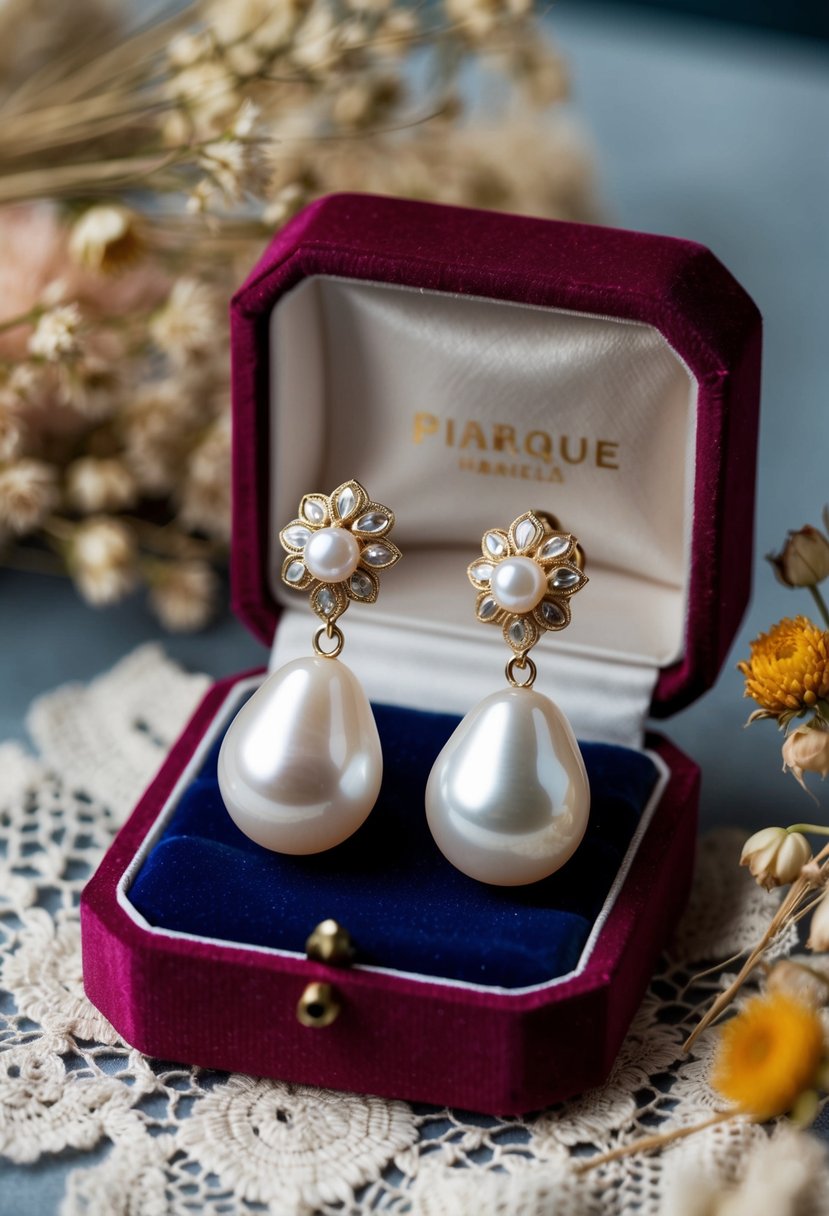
{"x":788,"y":672}
{"x":768,"y":1055}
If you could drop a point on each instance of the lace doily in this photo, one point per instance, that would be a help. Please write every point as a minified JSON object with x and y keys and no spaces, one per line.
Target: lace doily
{"x":173,"y":1141}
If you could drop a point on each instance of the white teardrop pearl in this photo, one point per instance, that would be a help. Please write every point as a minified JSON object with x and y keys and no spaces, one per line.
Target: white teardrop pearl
{"x":518,"y":584}
{"x":332,"y":554}
{"x":508,"y":798}
{"x":300,"y":766}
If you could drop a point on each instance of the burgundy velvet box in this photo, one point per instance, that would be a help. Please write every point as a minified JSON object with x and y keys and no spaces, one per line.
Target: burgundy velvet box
{"x":465,"y":366}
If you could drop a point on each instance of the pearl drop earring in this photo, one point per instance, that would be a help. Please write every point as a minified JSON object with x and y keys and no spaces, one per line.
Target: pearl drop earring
{"x":508,"y":799}
{"x":300,"y":766}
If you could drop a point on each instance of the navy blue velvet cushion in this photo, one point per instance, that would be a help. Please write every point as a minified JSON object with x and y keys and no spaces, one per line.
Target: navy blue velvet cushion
{"x":405,"y":906}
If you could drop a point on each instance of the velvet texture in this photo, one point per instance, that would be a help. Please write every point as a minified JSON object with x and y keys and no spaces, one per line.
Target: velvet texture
{"x":677,"y":286}
{"x":406,"y":907}
{"x":233,"y":1007}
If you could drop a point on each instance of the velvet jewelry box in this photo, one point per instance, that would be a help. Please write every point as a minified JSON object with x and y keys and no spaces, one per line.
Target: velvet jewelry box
{"x":465,"y":366}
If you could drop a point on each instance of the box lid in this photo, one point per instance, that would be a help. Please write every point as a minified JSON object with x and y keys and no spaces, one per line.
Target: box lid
{"x":654,"y":333}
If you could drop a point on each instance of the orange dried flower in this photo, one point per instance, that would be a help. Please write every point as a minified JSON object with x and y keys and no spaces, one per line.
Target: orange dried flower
{"x":768,"y":1055}
{"x":788,"y":672}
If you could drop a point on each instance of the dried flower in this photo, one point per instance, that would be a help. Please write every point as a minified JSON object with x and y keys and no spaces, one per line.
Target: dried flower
{"x":806,"y":750}
{"x":186,"y":326}
{"x":804,"y":559}
{"x":102,"y":560}
{"x":206,"y":92}
{"x":28,"y":492}
{"x":205,"y":494}
{"x":106,"y":237}
{"x":799,"y":977}
{"x":183,"y":595}
{"x":788,"y":672}
{"x":366,"y":101}
{"x":236,"y":166}
{"x":775,"y":856}
{"x":819,"y":928}
{"x":12,"y":429}
{"x":287,"y":202}
{"x":56,"y":334}
{"x":784,"y":1175}
{"x":94,"y":485}
{"x":155,"y":427}
{"x":92,"y":387}
{"x":480,"y":18}
{"x":769,"y":1054}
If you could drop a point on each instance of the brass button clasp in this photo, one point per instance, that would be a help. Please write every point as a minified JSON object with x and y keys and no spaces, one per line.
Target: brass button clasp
{"x":318,"y":1006}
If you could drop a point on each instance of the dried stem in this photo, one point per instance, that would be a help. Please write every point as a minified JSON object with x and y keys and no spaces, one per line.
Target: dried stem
{"x":821,"y":604}
{"x":658,"y":1140}
{"x":785,"y":914}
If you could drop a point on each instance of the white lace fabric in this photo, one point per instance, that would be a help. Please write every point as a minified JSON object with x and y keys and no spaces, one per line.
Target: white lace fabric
{"x":173,"y":1141}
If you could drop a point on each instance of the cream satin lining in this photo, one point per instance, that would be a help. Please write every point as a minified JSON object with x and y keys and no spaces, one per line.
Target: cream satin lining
{"x":414,"y":393}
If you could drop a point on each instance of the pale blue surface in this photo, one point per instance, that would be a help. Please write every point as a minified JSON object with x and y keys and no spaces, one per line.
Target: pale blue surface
{"x":703,"y":132}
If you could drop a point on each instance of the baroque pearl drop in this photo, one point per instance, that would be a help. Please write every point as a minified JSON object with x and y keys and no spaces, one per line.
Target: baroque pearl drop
{"x":300,"y":767}
{"x":508,"y":798}
{"x":332,"y":555}
{"x":518,"y":584}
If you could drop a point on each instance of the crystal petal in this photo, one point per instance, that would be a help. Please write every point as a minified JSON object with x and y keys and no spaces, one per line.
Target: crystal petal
{"x":487,"y":608}
{"x":326,"y":600}
{"x":313,"y":511}
{"x":552,"y":613}
{"x":564,"y":579}
{"x":525,"y":533}
{"x":297,"y":536}
{"x":361,"y":585}
{"x":482,"y":572}
{"x":372,"y":521}
{"x":495,"y":544}
{"x":556,"y":546}
{"x":346,"y":502}
{"x":518,"y":632}
{"x":377,"y":555}
{"x":295,"y":572}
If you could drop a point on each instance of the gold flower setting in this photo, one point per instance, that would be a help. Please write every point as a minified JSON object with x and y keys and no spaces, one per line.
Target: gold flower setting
{"x":525,"y":578}
{"x":337,"y":547}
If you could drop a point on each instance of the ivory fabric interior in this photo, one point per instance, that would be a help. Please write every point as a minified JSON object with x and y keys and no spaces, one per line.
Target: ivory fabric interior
{"x":406,"y":907}
{"x":460,"y":413}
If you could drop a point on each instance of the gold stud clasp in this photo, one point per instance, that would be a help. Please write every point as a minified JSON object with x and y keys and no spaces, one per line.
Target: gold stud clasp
{"x":330,"y":943}
{"x":318,"y":1006}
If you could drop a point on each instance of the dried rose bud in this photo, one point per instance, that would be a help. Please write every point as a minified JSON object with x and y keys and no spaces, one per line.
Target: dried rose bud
{"x":819,"y":929}
{"x":775,"y":856}
{"x":804,"y":559}
{"x":806,"y":750}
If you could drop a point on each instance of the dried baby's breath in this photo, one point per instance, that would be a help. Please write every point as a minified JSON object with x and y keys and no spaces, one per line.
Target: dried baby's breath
{"x":141,"y":175}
